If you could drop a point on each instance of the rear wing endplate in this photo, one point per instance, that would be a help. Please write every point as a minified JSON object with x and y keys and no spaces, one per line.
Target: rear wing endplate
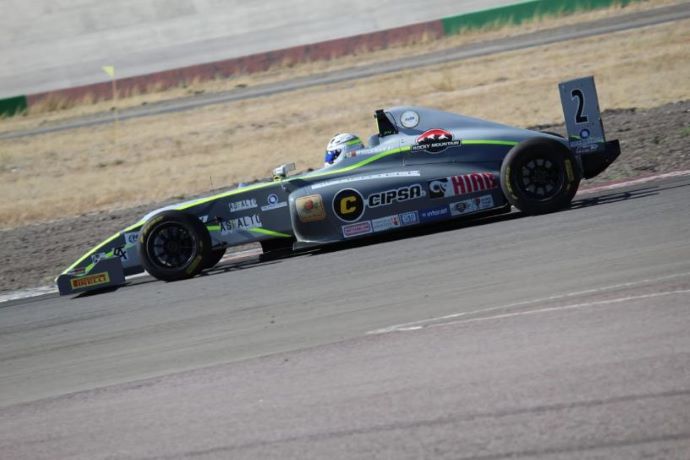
{"x":582,"y":116}
{"x":585,"y":129}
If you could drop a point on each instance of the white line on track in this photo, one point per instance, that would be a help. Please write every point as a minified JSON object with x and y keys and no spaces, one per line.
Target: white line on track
{"x":414,"y":325}
{"x":547,"y":310}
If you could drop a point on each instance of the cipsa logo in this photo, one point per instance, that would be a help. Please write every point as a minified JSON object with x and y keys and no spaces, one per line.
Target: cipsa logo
{"x":393,"y":196}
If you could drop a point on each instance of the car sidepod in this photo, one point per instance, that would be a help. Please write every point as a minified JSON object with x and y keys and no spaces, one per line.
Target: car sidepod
{"x":375,"y":202}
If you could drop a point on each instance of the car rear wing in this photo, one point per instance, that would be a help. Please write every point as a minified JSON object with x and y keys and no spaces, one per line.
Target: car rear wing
{"x":585,"y":129}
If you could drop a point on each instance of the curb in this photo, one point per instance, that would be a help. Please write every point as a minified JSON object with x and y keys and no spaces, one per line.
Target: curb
{"x":321,"y":51}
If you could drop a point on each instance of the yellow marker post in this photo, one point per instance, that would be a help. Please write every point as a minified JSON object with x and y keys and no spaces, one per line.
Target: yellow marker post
{"x":110,"y":70}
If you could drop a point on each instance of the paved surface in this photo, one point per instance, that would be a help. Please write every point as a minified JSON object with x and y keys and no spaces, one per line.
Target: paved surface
{"x":560,"y":336}
{"x":48,"y":44}
{"x":561,"y":34}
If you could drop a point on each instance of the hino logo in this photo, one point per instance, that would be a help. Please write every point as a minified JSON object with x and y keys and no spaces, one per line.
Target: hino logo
{"x":393,"y":196}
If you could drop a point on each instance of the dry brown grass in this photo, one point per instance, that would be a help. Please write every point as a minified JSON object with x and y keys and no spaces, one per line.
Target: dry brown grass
{"x":155,"y":158}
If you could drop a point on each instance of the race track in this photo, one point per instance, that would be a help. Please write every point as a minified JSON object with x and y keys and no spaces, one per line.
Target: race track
{"x":559,"y":336}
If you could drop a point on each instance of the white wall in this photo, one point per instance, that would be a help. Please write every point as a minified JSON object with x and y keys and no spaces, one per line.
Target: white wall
{"x":52,"y":44}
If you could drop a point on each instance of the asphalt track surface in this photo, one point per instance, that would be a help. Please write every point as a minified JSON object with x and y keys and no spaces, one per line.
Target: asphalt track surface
{"x":559,"y":336}
{"x":539,"y":38}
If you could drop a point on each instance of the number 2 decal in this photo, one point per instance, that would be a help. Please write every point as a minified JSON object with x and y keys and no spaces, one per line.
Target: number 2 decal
{"x":577,"y":94}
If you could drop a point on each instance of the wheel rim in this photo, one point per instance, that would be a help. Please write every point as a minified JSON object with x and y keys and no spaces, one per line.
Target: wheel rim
{"x":171,"y":246}
{"x":540,"y":178}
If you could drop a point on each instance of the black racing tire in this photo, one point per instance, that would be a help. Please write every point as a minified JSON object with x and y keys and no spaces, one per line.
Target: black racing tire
{"x":214,"y":258}
{"x":539,"y":176}
{"x":174,"y":245}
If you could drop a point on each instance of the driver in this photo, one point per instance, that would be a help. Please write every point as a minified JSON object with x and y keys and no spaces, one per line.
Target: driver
{"x":340,"y":145}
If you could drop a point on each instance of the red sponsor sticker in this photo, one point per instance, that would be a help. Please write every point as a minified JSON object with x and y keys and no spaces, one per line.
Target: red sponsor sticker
{"x":434,"y":135}
{"x":360,"y":228}
{"x":475,"y":182}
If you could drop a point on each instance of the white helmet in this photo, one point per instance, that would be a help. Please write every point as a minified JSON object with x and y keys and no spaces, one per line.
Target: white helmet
{"x":341,"y":144}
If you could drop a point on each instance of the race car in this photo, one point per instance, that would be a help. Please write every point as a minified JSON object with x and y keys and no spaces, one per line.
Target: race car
{"x":422,"y":167}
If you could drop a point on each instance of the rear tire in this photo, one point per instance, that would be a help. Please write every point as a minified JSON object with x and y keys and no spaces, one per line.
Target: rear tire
{"x":174,"y":245}
{"x":539,"y":176}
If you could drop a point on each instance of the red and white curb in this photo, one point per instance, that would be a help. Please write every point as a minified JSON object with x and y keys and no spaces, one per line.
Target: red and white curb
{"x":43,"y":290}
{"x":628,"y":183}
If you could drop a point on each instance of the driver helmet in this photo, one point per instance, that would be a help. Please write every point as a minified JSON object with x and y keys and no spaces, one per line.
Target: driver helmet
{"x":341,"y":144}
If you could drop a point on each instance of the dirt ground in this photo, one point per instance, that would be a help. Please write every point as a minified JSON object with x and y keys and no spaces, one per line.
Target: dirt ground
{"x":653,"y":141}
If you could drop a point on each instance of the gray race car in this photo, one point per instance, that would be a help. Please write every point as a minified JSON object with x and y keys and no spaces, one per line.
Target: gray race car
{"x":422,"y":167}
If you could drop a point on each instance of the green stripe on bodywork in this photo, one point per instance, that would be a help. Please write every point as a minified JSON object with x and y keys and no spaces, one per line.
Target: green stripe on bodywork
{"x":237,"y":191}
{"x":310,"y":176}
{"x":96,"y":248}
{"x":521,"y":12}
{"x":265,"y":231}
{"x":489,"y":142}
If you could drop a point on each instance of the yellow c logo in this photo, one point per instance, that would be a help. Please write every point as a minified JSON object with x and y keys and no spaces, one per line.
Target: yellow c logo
{"x":348,"y":205}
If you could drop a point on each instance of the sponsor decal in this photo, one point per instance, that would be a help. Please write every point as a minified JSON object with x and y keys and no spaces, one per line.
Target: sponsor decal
{"x":471,"y":205}
{"x":431,"y":214}
{"x":121,"y":253}
{"x":240,"y":223}
{"x":435,"y":141}
{"x":95,"y":258}
{"x":273,"y":203}
{"x":90,"y":280}
{"x":409,"y":218}
{"x":409,"y":119}
{"x":360,"y":228}
{"x":385,"y":223}
{"x":461,"y":185}
{"x":131,"y":238}
{"x":348,"y":205}
{"x":310,"y":208}
{"x":347,"y":180}
{"x":394,"y":221}
{"x":243,"y":205}
{"x":401,"y":194}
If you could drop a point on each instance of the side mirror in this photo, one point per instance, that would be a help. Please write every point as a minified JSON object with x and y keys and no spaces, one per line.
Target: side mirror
{"x":282,"y":171}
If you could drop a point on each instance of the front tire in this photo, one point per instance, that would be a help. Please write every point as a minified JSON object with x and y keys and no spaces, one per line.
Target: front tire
{"x":539,"y":176}
{"x":174,"y":245}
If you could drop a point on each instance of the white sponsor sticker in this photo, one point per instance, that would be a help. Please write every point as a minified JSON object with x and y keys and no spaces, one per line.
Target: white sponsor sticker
{"x":409,"y":119}
{"x":131,"y":238}
{"x":360,"y":228}
{"x":346,"y":180}
{"x":471,"y":205}
{"x":243,"y":205}
{"x":240,"y":223}
{"x":386,"y":223}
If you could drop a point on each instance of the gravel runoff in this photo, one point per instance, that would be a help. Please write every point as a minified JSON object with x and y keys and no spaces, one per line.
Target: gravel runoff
{"x":652,"y":141}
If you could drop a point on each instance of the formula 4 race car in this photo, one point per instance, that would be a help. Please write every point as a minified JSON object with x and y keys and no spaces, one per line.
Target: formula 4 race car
{"x":423,"y":167}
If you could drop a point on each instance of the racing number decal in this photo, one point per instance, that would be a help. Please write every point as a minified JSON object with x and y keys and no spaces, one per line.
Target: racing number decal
{"x":577,"y":94}
{"x":348,"y":205}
